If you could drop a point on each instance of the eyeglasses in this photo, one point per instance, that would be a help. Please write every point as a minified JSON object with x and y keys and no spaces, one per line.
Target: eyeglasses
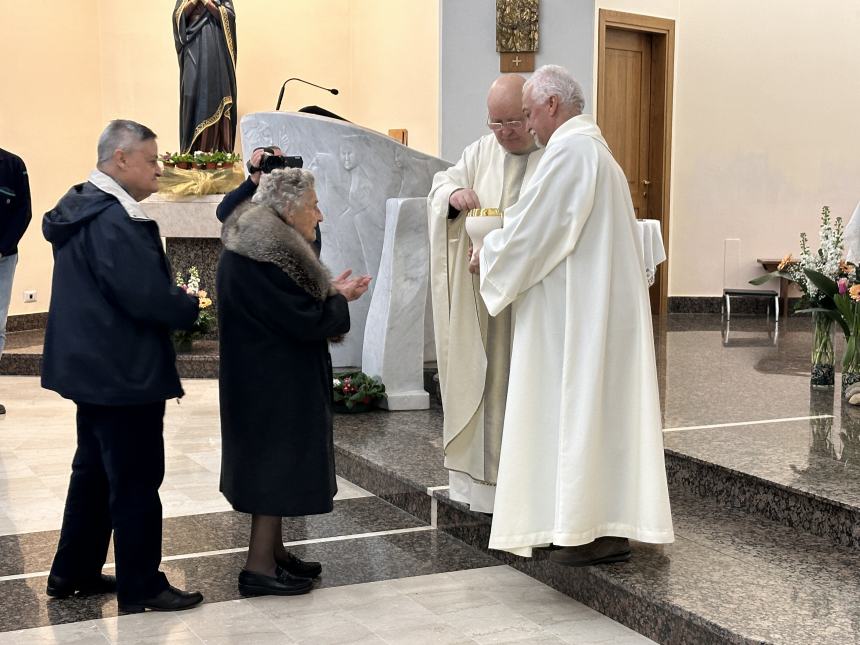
{"x":495,"y":126}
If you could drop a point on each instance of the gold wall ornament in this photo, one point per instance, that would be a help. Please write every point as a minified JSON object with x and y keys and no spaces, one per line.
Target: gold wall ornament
{"x":517,"y":25}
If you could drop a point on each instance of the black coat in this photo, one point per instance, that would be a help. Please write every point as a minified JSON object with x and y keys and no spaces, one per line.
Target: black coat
{"x":113,"y":304}
{"x":276,"y":311}
{"x":15,"y":210}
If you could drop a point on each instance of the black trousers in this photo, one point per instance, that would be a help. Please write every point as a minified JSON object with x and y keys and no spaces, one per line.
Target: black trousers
{"x":117,"y":470}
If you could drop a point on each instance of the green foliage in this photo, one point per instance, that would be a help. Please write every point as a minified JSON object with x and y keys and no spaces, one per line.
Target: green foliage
{"x":200,"y":157}
{"x":352,"y":388}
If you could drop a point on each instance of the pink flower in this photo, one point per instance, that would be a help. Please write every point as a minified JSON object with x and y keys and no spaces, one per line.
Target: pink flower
{"x":842,"y":283}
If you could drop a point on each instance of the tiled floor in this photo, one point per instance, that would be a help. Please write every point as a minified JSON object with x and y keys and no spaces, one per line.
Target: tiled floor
{"x":389,"y":578}
{"x":37,"y":444}
{"x":487,"y":605}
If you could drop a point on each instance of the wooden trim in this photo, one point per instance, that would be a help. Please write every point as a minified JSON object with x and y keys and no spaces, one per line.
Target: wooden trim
{"x":663,"y":59}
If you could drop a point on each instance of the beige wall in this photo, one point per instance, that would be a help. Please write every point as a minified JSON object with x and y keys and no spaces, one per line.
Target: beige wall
{"x":95,"y":60}
{"x":766,"y":127}
{"x":766,"y":98}
{"x":395,"y":68}
{"x":50,"y":115}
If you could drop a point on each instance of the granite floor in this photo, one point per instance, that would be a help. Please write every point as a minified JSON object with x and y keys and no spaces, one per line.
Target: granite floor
{"x":389,"y":577}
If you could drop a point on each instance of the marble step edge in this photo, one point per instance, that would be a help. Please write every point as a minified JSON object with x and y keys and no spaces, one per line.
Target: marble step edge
{"x":635,"y":606}
{"x":658,"y":620}
{"x":792,"y":507}
{"x":20,"y":364}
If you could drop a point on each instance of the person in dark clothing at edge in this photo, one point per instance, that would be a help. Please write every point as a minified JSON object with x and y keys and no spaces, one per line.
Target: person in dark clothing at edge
{"x":246,"y":190}
{"x":108,"y":348}
{"x":15,"y":215}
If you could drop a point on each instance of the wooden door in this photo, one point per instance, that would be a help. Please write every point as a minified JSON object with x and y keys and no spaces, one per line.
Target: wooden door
{"x":627,"y":118}
{"x":635,"y":72}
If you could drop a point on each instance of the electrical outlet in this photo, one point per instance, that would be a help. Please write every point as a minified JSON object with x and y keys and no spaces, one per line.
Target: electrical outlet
{"x":29,"y":296}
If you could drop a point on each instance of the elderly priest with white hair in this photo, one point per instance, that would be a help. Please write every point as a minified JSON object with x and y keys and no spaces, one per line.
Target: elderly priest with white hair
{"x":473,"y":349}
{"x":582,"y":455}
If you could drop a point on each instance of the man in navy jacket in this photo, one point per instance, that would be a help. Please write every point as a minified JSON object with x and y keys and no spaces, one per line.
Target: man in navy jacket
{"x":108,"y":348}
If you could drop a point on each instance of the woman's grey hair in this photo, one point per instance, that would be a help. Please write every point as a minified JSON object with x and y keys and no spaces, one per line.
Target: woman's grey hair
{"x":121,"y":134}
{"x":283,"y":187}
{"x":555,"y":80}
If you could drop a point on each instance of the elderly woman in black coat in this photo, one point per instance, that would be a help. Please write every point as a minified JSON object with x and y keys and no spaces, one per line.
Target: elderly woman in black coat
{"x":277,"y":309}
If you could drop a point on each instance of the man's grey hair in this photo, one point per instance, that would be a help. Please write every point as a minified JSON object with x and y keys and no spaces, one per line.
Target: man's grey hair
{"x":555,"y":80}
{"x":124,"y":135}
{"x":283,"y":187}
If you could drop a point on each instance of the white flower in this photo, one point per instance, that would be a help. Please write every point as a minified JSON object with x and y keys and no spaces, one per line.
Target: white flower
{"x":336,"y":382}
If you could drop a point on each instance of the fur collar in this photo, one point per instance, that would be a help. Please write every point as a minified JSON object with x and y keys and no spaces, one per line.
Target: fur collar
{"x":257,"y":232}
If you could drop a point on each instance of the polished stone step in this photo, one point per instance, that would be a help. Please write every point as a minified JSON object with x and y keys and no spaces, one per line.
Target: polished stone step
{"x":803,"y":474}
{"x":730,"y":577}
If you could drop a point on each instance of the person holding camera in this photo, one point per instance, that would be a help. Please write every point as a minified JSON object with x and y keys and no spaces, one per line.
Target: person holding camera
{"x":263,"y":160}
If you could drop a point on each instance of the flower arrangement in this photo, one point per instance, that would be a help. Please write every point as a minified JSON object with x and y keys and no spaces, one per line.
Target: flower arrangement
{"x":356,"y":391}
{"x":816,"y":274}
{"x":182,"y":339}
{"x":826,"y":261}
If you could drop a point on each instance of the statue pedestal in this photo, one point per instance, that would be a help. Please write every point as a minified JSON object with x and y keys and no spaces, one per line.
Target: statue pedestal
{"x":185,"y":217}
{"x":192,"y":234}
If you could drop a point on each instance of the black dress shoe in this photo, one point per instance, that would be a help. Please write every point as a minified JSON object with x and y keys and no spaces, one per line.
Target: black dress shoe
{"x":171,"y":599}
{"x":61,"y":588}
{"x":298,"y":567}
{"x":604,"y":550}
{"x":283,"y":584}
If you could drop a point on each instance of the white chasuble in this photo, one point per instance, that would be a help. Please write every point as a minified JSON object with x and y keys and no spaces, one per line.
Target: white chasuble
{"x":582,"y":453}
{"x":472,"y":348}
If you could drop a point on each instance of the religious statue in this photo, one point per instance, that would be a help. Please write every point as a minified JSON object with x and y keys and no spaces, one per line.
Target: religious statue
{"x":517,"y":25}
{"x":204,"y":32}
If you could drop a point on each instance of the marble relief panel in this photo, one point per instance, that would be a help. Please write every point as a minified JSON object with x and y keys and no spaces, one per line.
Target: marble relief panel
{"x":356,"y":171}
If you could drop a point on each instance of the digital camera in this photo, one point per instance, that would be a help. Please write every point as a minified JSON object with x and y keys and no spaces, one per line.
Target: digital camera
{"x":270,"y":161}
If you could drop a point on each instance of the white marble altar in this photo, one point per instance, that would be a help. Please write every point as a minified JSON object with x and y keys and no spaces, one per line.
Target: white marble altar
{"x":356,"y":171}
{"x":394,"y":337}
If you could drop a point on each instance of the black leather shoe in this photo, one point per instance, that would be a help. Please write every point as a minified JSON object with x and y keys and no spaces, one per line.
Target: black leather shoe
{"x":61,"y":588}
{"x":283,"y":584}
{"x":604,"y":550}
{"x":298,"y":567}
{"x":171,"y":599}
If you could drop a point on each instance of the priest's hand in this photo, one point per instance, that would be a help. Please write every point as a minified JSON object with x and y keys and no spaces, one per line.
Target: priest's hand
{"x":474,"y":260}
{"x":351,"y":288}
{"x":464,"y":199}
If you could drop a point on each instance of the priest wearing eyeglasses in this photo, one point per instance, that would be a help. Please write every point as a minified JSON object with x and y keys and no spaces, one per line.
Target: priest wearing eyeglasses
{"x":472,"y":347}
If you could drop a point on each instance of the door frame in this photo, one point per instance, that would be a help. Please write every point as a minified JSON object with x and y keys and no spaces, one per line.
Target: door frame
{"x":662,"y":31}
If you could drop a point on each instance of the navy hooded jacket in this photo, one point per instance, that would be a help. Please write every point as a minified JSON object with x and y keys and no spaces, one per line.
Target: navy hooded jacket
{"x":113,"y":304}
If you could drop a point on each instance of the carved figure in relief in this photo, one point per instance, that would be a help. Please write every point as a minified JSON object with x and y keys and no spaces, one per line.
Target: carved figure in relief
{"x":517,"y":25}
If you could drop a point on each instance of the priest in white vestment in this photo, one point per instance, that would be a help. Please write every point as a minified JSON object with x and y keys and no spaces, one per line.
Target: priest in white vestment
{"x":473,"y":348}
{"x":582,"y":455}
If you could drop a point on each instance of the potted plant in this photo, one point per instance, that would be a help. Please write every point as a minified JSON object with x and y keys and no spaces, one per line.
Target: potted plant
{"x":356,"y":392}
{"x":231,"y":158}
{"x":167,"y":160}
{"x":198,"y":160}
{"x":211,"y":160}
{"x":183,"y":340}
{"x":183,"y":161}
